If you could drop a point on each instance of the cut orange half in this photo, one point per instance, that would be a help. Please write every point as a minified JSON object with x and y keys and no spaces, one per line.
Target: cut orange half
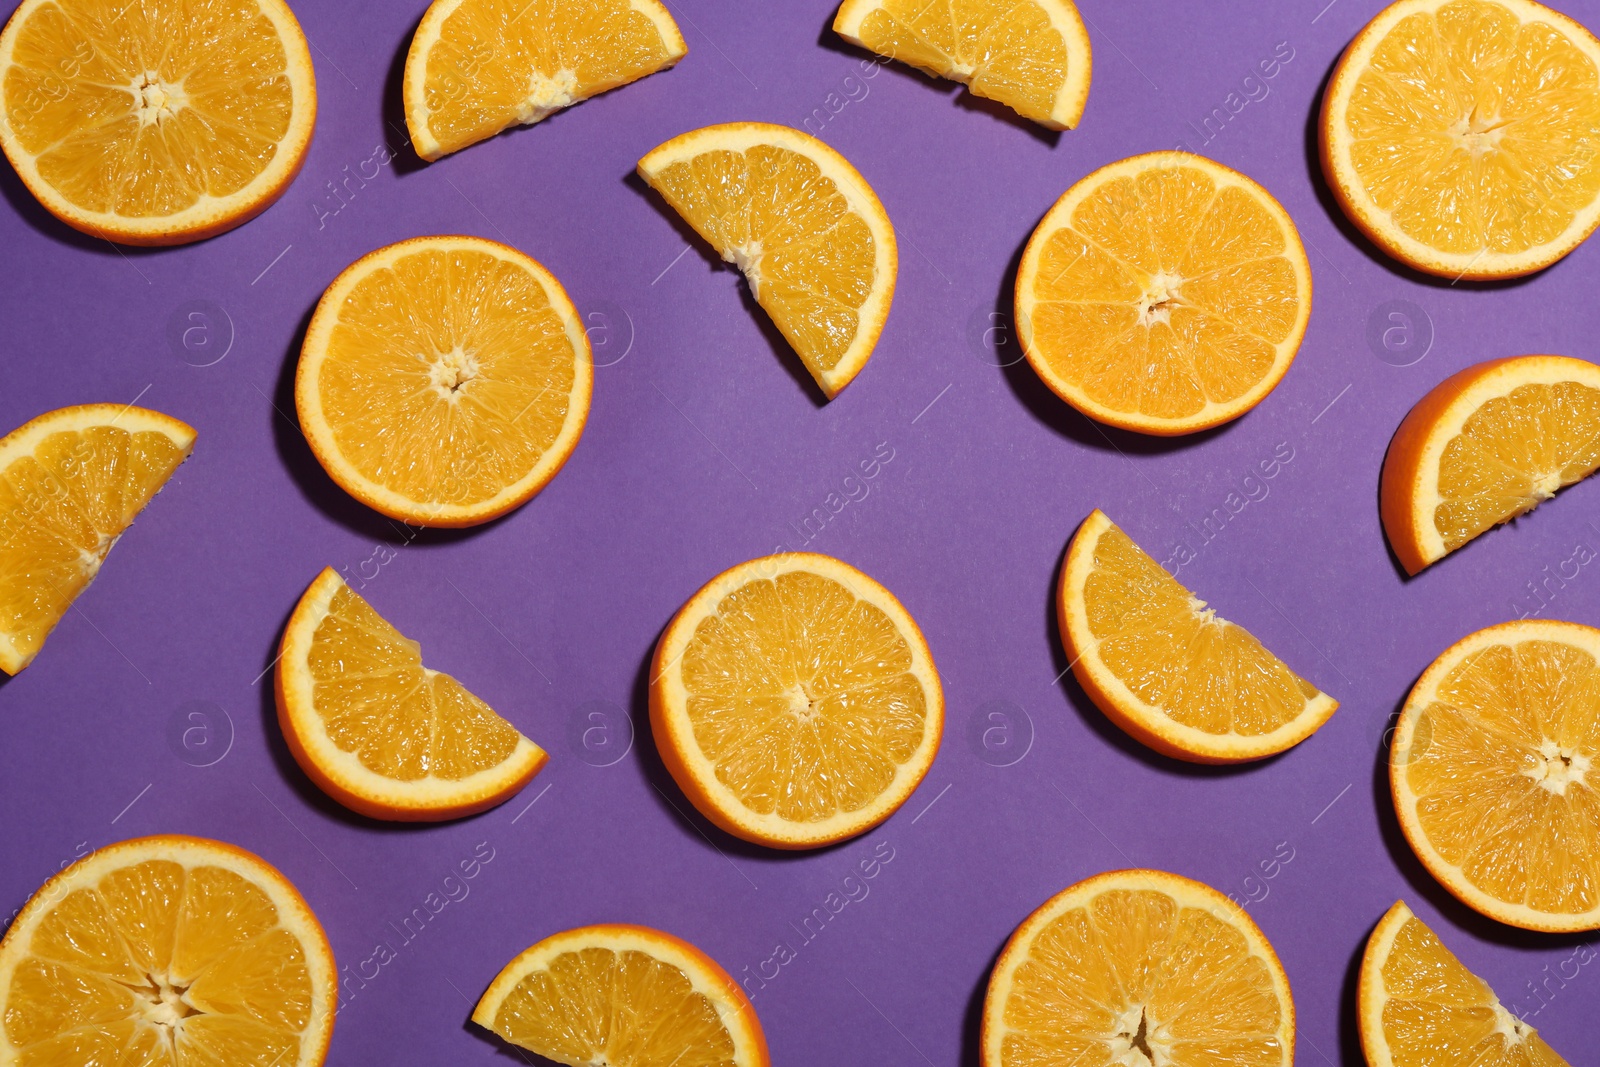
{"x":1418,"y":1006}
{"x":810,"y":235}
{"x":444,"y":380}
{"x":1460,"y":135}
{"x":1137,"y":968}
{"x":477,"y":67}
{"x":795,"y":702}
{"x":1032,"y":56}
{"x":166,"y":951}
{"x":623,"y":996}
{"x":1486,"y":445}
{"x":1164,"y":294}
{"x":71,"y":482}
{"x":155,"y":123}
{"x":379,"y":732}
{"x":1495,"y":778}
{"x":1165,"y":668}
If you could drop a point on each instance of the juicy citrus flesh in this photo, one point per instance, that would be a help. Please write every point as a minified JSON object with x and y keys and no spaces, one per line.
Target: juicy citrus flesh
{"x":1474,"y":130}
{"x":488,"y":65}
{"x":152,"y":111}
{"x":71,"y":483}
{"x":1495,"y":774}
{"x":1423,"y":1008}
{"x":1513,"y":453}
{"x":809,"y":248}
{"x":1138,"y":970}
{"x":1164,"y":294}
{"x":1032,"y":57}
{"x":168,"y":957}
{"x":448,"y":383}
{"x":1179,"y":662}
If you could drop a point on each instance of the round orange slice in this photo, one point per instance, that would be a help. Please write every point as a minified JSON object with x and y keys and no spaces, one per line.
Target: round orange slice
{"x":1164,"y":294}
{"x":795,"y":702}
{"x":623,"y":996}
{"x":1033,"y":57}
{"x":159,"y":122}
{"x":1460,"y":135}
{"x":1138,"y":967}
{"x":1164,"y":668}
{"x":1494,"y":773}
{"x":444,"y":380}
{"x":167,"y":950}
{"x":379,"y":732}
{"x":1419,"y":1006}
{"x":812,"y":238}
{"x":477,"y":67}
{"x":1486,"y":445}
{"x":71,"y":483}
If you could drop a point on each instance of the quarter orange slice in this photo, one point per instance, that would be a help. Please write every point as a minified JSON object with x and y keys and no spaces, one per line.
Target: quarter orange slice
{"x":1420,"y":1007}
{"x":477,"y":67}
{"x":1164,"y":668}
{"x":1486,"y":445}
{"x":1460,"y":135}
{"x":166,"y":951}
{"x":156,"y":122}
{"x":1138,"y":968}
{"x":810,"y":235}
{"x":444,"y":380}
{"x":379,"y":732}
{"x":71,"y":482}
{"x":795,"y":702}
{"x":1032,"y":56}
{"x":1164,"y":294}
{"x":623,"y":996}
{"x":1494,"y":773}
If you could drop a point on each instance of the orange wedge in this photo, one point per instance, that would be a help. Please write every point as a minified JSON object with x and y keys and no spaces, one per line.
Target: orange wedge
{"x":810,"y":235}
{"x":1419,"y":1007}
{"x":71,"y":481}
{"x":379,"y":732}
{"x":623,"y":996}
{"x":1137,"y":968}
{"x":166,"y":951}
{"x":1164,"y":294}
{"x":1486,"y":445}
{"x":795,"y":702}
{"x":1032,"y":56}
{"x":1494,"y":773}
{"x":1164,"y":668}
{"x":1460,"y":135}
{"x":477,"y":67}
{"x":159,"y":122}
{"x":444,"y":380}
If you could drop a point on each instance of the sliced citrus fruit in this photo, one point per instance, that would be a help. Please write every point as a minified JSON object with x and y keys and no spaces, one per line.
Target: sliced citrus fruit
{"x":794,"y":701}
{"x":1460,"y":135}
{"x":71,"y":481}
{"x":1164,"y":668}
{"x":444,"y":380}
{"x":1486,"y":445}
{"x":1418,"y":1006}
{"x":1032,"y":56}
{"x":623,"y":996}
{"x":1494,"y":776}
{"x":166,"y":951}
{"x":379,"y":732}
{"x":803,"y":225}
{"x":1164,"y":294}
{"x":477,"y":67}
{"x":155,"y":123}
{"x":1138,"y":968}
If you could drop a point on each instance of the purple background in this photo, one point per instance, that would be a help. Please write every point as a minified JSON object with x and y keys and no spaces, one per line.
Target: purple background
{"x":704,"y":444}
